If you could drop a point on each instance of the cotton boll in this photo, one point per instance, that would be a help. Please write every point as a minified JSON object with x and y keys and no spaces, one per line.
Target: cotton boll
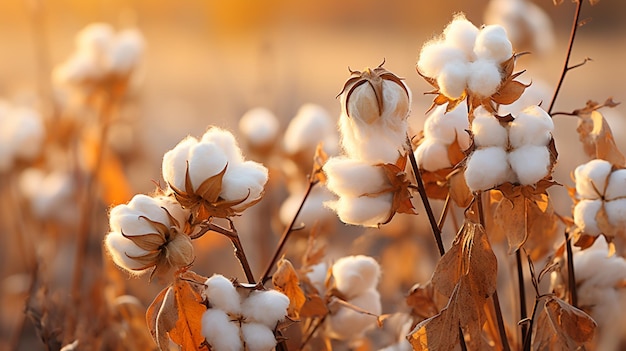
{"x":259,"y":126}
{"x":462,"y":34}
{"x":317,"y":276}
{"x":95,"y":38}
{"x":350,"y":177}
{"x":258,"y":337}
{"x":28,"y":133}
{"x":453,"y":79}
{"x":532,"y":126}
{"x":348,"y":324}
{"x":311,"y":125}
{"x":448,"y":126}
{"x":226,"y":141}
{"x":365,"y":211}
{"x":222,"y":294}
{"x":396,"y":105}
{"x":591,"y":178}
{"x":585,"y":213}
{"x":126,"y":217}
{"x":487,"y":130}
{"x":616,"y":187}
{"x":205,"y":160}
{"x":371,"y":144}
{"x":616,"y":212}
{"x":267,"y":307}
{"x":492,"y":43}
{"x":531,"y":163}
{"x":484,"y":77}
{"x":174,"y":165}
{"x":432,"y":155}
{"x":435,"y":55}
{"x":244,"y":181}
{"x":125,"y":51}
{"x":487,"y":168}
{"x":355,"y":274}
{"x":220,"y":332}
{"x":122,"y":250}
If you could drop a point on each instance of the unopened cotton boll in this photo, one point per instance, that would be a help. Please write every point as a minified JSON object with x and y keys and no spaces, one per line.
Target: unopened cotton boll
{"x":585,"y":213}
{"x":532,"y":126}
{"x":616,"y":212}
{"x":259,"y":126}
{"x":355,"y":274}
{"x":448,"y":126}
{"x":267,"y":307}
{"x":348,"y":324}
{"x":364,"y":210}
{"x":487,"y":168}
{"x":222,"y":294}
{"x":492,"y":43}
{"x":616,"y":188}
{"x":462,"y":34}
{"x":453,"y":79}
{"x":258,"y":337}
{"x":351,"y":177}
{"x":484,"y":77}
{"x":220,"y":332}
{"x":435,"y":55}
{"x":530,"y":163}
{"x":432,"y":155}
{"x":487,"y":130}
{"x":311,"y":125}
{"x":591,"y":178}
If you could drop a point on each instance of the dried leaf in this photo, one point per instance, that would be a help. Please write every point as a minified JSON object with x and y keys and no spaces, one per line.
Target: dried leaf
{"x":319,"y":159}
{"x":421,"y":299}
{"x":511,"y":218}
{"x":509,"y":93}
{"x":459,"y":191}
{"x":597,"y":138}
{"x":563,"y":326}
{"x":314,"y":306}
{"x":286,"y":281}
{"x":161,"y":316}
{"x":399,"y":186}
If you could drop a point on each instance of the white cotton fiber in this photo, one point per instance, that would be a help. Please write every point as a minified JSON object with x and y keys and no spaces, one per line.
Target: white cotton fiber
{"x":484,"y":77}
{"x":243,"y":180}
{"x":95,"y":38}
{"x":120,"y":248}
{"x":317,"y":276}
{"x":313,"y":209}
{"x":452,"y":79}
{"x":351,"y":177}
{"x":348,"y":324}
{"x":258,"y":337}
{"x":371,"y":143}
{"x":445,"y":127}
{"x":591,"y":178}
{"x":355,"y":274}
{"x":174,"y":166}
{"x":125,"y":51}
{"x":436,"y":54}
{"x":205,"y":160}
{"x":531,"y":163}
{"x":492,"y":43}
{"x":617,"y":185}
{"x":226,"y":141}
{"x":260,"y":126}
{"x":585,"y":213}
{"x":311,"y":125}
{"x":365,"y":211}
{"x":267,"y":307}
{"x":28,"y":132}
{"x":432,"y":155}
{"x":487,"y":168}
{"x":220,"y":332}
{"x":616,"y":212}
{"x":222,"y":294}
{"x":532,"y":126}
{"x":487,"y":130}
{"x":462,"y":34}
{"x":396,"y":106}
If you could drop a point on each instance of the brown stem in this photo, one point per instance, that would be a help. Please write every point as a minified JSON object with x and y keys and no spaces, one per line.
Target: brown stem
{"x":571,"y":277}
{"x":231,"y":233}
{"x":522,"y":292}
{"x":312,"y":332}
{"x":566,"y":67}
{"x":444,"y":212}
{"x":286,"y":233}
{"x":422,"y":191}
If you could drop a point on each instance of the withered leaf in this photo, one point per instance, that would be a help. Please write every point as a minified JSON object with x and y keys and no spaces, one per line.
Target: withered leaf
{"x":286,"y":281}
{"x":187,"y":332}
{"x":509,"y":92}
{"x":597,"y":138}
{"x":161,"y":316}
{"x":421,"y":299}
{"x":399,"y":186}
{"x":314,"y":306}
{"x":319,"y":160}
{"x":562,"y":326}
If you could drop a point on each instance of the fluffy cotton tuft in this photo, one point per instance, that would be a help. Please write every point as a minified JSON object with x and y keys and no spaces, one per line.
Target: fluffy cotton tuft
{"x":492,"y":43}
{"x":259,"y":126}
{"x":487,"y":168}
{"x":317,"y":276}
{"x":484,"y":77}
{"x":258,"y":337}
{"x":530,"y":163}
{"x":432,"y":155}
{"x":435,"y":54}
{"x":453,"y":79}
{"x":51,"y":195}
{"x":462,"y":34}
{"x":222,"y":294}
{"x":125,"y":51}
{"x":311,"y":125}
{"x":616,"y":212}
{"x":585,"y":213}
{"x":616,"y":187}
{"x":591,"y":178}
{"x":487,"y":130}
{"x":220,"y":332}
{"x":365,"y":210}
{"x":351,"y":177}
{"x":348,"y":324}
{"x":448,"y":126}
{"x":355,"y":274}
{"x":267,"y":307}
{"x":532,"y":126}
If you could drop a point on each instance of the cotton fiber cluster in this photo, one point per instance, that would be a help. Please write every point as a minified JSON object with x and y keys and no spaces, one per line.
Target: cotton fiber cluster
{"x":148,"y":231}
{"x":441,"y":129}
{"x":235,"y":322}
{"x":515,"y":152}
{"x":466,"y":58}
{"x":259,"y":126}
{"x":51,"y":194}
{"x":311,"y":125}
{"x":202,"y":159}
{"x":22,"y":134}
{"x":101,"y":53}
{"x":599,"y":186}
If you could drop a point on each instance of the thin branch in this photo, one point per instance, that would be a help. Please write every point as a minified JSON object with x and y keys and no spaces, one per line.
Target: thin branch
{"x":529,"y":335}
{"x":309,"y":336}
{"x":444,"y":212}
{"x":231,"y":233}
{"x":566,"y":67}
{"x":522,"y":292}
{"x":571,"y":277}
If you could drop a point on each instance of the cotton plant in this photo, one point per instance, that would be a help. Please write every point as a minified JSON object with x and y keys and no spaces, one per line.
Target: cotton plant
{"x":260,"y":127}
{"x":22,"y":134}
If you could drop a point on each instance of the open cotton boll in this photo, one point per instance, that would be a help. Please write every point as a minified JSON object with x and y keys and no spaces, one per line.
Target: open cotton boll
{"x":616,"y":188}
{"x":174,"y":165}
{"x":448,"y":126}
{"x":126,"y":217}
{"x":435,"y":55}
{"x":348,"y":324}
{"x":532,"y":126}
{"x":372,"y":143}
{"x":350,"y":177}
{"x":585,"y":213}
{"x":205,"y":160}
{"x":122,"y":249}
{"x":244,"y":181}
{"x":487,"y":168}
{"x":226,"y":141}
{"x":267,"y":307}
{"x":80,"y":67}
{"x":591,"y":178}
{"x":484,"y":77}
{"x":453,"y":79}
{"x":258,"y":337}
{"x":355,"y":274}
{"x":126,"y":50}
{"x":364,"y":210}
{"x":462,"y":34}
{"x":432,"y":155}
{"x":220,"y":332}
{"x":28,"y":132}
{"x":616,"y":212}
{"x":530,"y":163}
{"x":492,"y":43}
{"x":260,"y":126}
{"x":222,"y":294}
{"x":487,"y":130}
{"x":95,"y":38}
{"x":317,"y":276}
{"x":311,"y":125}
